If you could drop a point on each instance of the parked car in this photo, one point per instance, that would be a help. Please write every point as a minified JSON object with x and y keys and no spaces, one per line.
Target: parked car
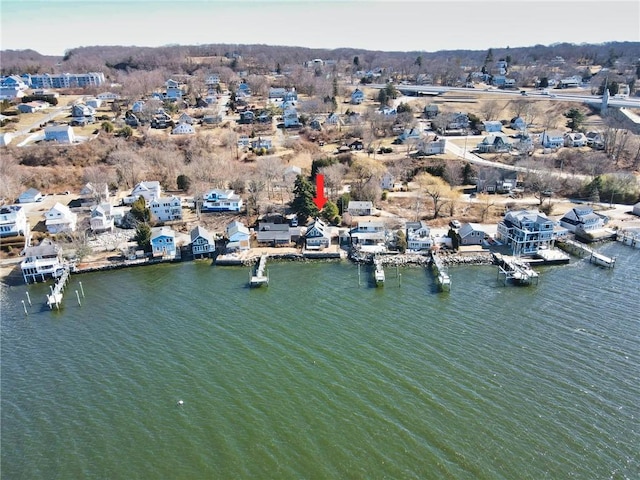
{"x":454,"y":224}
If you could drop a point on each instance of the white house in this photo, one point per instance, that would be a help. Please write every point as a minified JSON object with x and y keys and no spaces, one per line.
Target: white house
{"x":290,"y":117}
{"x":574,"y":139}
{"x":583,"y":219}
{"x":492,"y":126}
{"x":238,"y":235}
{"x":552,"y":139}
{"x":317,"y":236}
{"x":431,"y":146}
{"x":203,"y":243}
{"x":60,"y":219}
{"x":217,"y":200}
{"x":360,"y":208}
{"x":526,"y":231}
{"x":95,"y":193}
{"x":42,"y":261}
{"x":418,"y":236}
{"x":370,"y":236}
{"x":163,"y":242}
{"x":106,"y":96}
{"x":183,"y":129}
{"x":30,"y":196}
{"x":102,"y":218}
{"x":13,"y":221}
{"x":471,"y":234}
{"x":60,"y":134}
{"x":636,"y":209}
{"x":147,"y":190}
{"x":166,"y":209}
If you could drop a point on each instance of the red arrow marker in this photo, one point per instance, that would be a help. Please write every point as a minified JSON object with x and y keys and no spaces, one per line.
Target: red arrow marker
{"x":319,"y":199}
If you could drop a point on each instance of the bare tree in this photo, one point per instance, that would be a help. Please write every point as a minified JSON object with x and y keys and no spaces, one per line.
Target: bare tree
{"x":436,"y":189}
{"x":269,"y":169}
{"x":333,"y":177}
{"x":485,"y":202}
{"x":491,"y":109}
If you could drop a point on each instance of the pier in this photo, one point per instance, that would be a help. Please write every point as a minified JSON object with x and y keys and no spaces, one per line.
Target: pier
{"x":511,"y":269}
{"x":57,"y":291}
{"x":260,"y":277}
{"x":580,"y":249}
{"x":442,"y":274}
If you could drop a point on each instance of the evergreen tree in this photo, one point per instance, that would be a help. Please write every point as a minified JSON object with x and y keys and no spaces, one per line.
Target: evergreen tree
{"x":302,"y":203}
{"x":330,"y":211}
{"x":143,"y":236}
{"x":140,"y":211}
{"x":468,"y":174}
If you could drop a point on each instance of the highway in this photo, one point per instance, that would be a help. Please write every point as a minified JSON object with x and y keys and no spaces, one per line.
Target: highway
{"x":554,"y":94}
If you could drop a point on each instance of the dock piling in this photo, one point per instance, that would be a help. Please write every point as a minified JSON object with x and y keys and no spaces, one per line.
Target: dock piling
{"x":78,"y":297}
{"x":28,"y":298}
{"x":25,"y":308}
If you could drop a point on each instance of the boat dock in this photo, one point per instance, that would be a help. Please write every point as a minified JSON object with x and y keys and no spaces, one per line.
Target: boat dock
{"x":515,"y":270}
{"x":260,"y":276}
{"x":580,"y":249}
{"x":378,"y":273}
{"x":629,"y":237}
{"x":57,"y":291}
{"x":442,"y":274}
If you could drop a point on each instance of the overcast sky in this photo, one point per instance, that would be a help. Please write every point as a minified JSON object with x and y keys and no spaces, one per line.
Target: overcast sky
{"x":53,"y":26}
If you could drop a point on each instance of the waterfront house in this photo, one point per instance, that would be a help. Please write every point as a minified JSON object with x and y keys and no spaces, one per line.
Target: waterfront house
{"x":238,"y":235}
{"x":418,"y":236}
{"x":369,"y":235}
{"x":471,"y":234}
{"x":163,"y":242}
{"x":526,"y":231}
{"x":217,"y":200}
{"x":59,"y":134}
{"x":102,"y":218}
{"x":41,"y":261}
{"x":30,"y":196}
{"x":357,"y":97}
{"x":360,"y":208}
{"x":582,"y":220}
{"x":166,"y":209}
{"x":203,"y":243}
{"x":552,"y":139}
{"x":60,"y":219}
{"x":317,"y":236}
{"x":273,"y":234}
{"x":13,"y":221}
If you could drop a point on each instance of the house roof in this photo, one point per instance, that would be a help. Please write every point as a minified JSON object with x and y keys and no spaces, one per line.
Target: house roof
{"x":46,"y":248}
{"x":468,"y":228}
{"x":162,"y":232}
{"x":201,"y":232}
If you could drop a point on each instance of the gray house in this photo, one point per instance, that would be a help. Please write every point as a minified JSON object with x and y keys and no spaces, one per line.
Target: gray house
{"x":60,"y":134}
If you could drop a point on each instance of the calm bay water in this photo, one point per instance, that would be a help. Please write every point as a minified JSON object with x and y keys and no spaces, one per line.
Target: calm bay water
{"x":317,"y":377}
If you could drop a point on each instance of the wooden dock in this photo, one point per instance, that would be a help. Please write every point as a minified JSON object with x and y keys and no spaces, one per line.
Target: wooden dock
{"x":516,"y":271}
{"x":57,"y":291}
{"x":442,"y":274}
{"x":581,"y":250}
{"x":260,"y":276}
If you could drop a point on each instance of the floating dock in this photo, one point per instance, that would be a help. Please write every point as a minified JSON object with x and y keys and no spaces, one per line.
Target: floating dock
{"x":516,"y":271}
{"x":260,"y":276}
{"x":581,"y":250}
{"x":57,"y":291}
{"x":442,"y":274}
